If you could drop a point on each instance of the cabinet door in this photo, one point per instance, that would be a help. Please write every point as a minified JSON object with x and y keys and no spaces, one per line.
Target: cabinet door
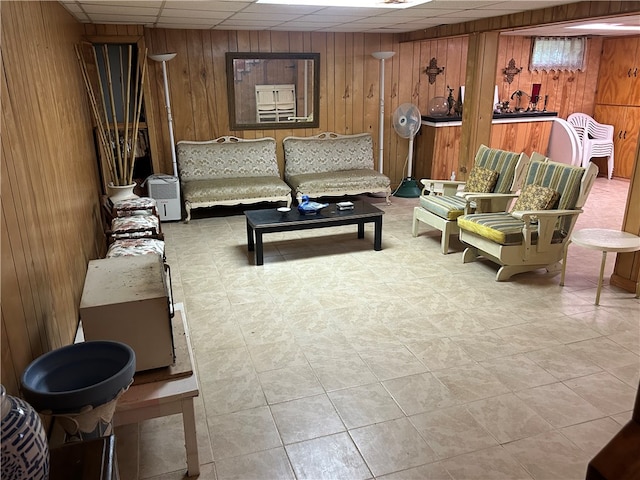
{"x":626,"y":121}
{"x":617,"y":67}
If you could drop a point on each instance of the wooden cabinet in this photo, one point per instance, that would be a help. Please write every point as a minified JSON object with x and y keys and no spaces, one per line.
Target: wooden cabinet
{"x":626,"y":121}
{"x":618,"y":98}
{"x":619,"y":76}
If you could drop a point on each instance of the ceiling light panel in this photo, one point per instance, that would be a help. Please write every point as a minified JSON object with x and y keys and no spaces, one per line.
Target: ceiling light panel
{"x":348,"y":3}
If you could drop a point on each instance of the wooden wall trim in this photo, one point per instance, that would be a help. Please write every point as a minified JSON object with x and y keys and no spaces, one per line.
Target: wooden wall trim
{"x":545,"y":16}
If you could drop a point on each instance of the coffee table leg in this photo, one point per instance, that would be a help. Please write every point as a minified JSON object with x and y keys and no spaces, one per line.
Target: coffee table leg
{"x":259,"y":249}
{"x":377,"y":235}
{"x":250,"y":245}
{"x":360,"y":229}
{"x":604,"y":260}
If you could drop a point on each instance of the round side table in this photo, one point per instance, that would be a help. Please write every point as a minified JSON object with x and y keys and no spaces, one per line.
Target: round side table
{"x":604,"y":240}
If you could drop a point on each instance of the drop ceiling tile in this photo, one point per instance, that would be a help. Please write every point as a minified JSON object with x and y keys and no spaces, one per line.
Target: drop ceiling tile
{"x":219,"y":5}
{"x":196,"y":22}
{"x":130,"y":19}
{"x":120,"y":10}
{"x":264,"y":17}
{"x":193,"y":14}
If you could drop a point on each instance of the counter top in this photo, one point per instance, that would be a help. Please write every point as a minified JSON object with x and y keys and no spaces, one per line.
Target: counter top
{"x":450,"y":121}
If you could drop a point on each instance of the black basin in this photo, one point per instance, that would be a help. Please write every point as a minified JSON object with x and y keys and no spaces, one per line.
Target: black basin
{"x":69,"y":378}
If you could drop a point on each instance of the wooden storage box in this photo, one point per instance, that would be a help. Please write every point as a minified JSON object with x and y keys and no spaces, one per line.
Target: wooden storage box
{"x":126,"y":299}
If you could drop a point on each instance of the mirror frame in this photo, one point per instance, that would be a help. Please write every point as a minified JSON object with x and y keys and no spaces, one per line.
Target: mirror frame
{"x":231,"y":90}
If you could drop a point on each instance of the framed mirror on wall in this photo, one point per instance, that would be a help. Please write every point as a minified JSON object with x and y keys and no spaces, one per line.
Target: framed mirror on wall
{"x":273,"y":90}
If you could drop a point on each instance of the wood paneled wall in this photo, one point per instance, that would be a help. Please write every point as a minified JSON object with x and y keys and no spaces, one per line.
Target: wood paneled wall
{"x":50,"y":216}
{"x":349,"y":84}
{"x":568,"y":92}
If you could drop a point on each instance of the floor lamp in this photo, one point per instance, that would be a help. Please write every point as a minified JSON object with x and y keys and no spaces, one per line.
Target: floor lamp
{"x":382,"y":56}
{"x":165,"y":189}
{"x":164,"y":58}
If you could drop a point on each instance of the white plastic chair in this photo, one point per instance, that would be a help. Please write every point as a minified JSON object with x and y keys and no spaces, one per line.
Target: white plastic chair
{"x":596,"y":138}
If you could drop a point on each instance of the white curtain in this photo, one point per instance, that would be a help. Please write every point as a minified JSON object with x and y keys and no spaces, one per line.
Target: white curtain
{"x":558,"y":53}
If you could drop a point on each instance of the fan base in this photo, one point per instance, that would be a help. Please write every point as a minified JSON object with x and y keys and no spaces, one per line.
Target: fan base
{"x":408,"y":189}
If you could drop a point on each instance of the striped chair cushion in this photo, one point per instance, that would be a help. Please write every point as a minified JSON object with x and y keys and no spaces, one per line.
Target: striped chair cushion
{"x":501,"y":228}
{"x":500,"y":161}
{"x":564,"y":179}
{"x":449,"y":207}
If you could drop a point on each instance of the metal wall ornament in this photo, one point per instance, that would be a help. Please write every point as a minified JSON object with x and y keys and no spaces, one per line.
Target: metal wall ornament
{"x":433,"y":70}
{"x":511,"y":70}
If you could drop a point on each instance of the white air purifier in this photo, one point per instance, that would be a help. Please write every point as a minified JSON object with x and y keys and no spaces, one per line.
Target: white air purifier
{"x":165,"y":190}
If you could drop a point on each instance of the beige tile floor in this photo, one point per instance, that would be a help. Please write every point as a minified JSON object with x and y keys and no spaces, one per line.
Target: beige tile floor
{"x":333,"y":361}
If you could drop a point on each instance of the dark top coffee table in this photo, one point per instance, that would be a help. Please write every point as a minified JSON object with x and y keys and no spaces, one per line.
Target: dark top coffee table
{"x":271,"y":220}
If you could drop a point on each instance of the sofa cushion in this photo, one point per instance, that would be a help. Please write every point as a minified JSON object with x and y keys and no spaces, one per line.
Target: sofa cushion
{"x":501,"y":161}
{"x":329,"y":154}
{"x":449,"y":207}
{"x":501,"y":228}
{"x":222,"y":189}
{"x":214,"y":160}
{"x":481,"y":180}
{"x":339,"y":182}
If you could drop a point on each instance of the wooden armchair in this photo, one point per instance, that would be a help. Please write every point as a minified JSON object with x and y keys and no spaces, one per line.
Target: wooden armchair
{"x":497,"y":173}
{"x":535,"y":233}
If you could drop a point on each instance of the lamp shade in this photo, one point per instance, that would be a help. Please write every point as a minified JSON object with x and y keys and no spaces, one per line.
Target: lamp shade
{"x":162,"y":57}
{"x":383,"y":55}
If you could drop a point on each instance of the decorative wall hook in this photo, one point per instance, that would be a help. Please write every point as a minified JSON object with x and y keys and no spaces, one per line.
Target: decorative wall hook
{"x":416,"y":91}
{"x":432,"y":70}
{"x":511,"y":70}
{"x":370,"y":94}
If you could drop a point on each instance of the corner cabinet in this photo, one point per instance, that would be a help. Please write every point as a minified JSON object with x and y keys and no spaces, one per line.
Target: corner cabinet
{"x":618,"y":98}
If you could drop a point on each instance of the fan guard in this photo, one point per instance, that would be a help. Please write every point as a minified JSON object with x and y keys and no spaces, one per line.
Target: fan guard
{"x":406,"y":123}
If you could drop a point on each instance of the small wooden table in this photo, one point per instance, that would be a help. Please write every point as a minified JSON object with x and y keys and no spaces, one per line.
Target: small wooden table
{"x":604,"y":240}
{"x":157,"y":397}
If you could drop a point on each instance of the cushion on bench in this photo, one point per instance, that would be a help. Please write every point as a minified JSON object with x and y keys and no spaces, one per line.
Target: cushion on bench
{"x":332,"y":165}
{"x":212,"y":159}
{"x":224,"y":189}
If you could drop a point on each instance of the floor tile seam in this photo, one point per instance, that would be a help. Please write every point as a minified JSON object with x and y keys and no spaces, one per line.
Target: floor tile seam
{"x":361,"y":453}
{"x":501,"y":447}
{"x":590,"y":403}
{"x":482,"y":427}
{"x":522,"y":465}
{"x":345,"y":429}
{"x":326,"y":436}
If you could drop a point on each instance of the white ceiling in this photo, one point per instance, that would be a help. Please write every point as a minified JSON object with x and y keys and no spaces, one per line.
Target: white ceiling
{"x":249,"y":15}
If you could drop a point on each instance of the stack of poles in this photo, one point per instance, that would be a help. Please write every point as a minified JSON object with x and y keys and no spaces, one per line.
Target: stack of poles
{"x":120,"y":158}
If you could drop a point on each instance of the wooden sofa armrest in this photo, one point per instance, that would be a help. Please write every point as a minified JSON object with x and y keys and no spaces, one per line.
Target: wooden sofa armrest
{"x":444,"y":187}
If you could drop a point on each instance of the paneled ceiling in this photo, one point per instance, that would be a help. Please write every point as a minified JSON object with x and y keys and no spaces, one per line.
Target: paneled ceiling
{"x":250,"y":15}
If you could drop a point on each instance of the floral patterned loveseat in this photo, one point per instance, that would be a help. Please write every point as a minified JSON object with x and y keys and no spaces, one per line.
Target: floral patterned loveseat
{"x":332,"y":165}
{"x":230,"y":171}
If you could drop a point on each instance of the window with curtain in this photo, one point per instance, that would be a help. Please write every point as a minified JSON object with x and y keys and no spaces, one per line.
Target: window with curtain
{"x":558,"y":53}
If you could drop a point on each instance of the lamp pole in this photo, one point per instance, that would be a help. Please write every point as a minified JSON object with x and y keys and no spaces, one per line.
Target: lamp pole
{"x":382,"y":56}
{"x":164,"y":58}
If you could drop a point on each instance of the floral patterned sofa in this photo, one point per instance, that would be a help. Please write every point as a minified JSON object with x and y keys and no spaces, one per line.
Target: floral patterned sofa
{"x":332,"y":165}
{"x":230,"y":171}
